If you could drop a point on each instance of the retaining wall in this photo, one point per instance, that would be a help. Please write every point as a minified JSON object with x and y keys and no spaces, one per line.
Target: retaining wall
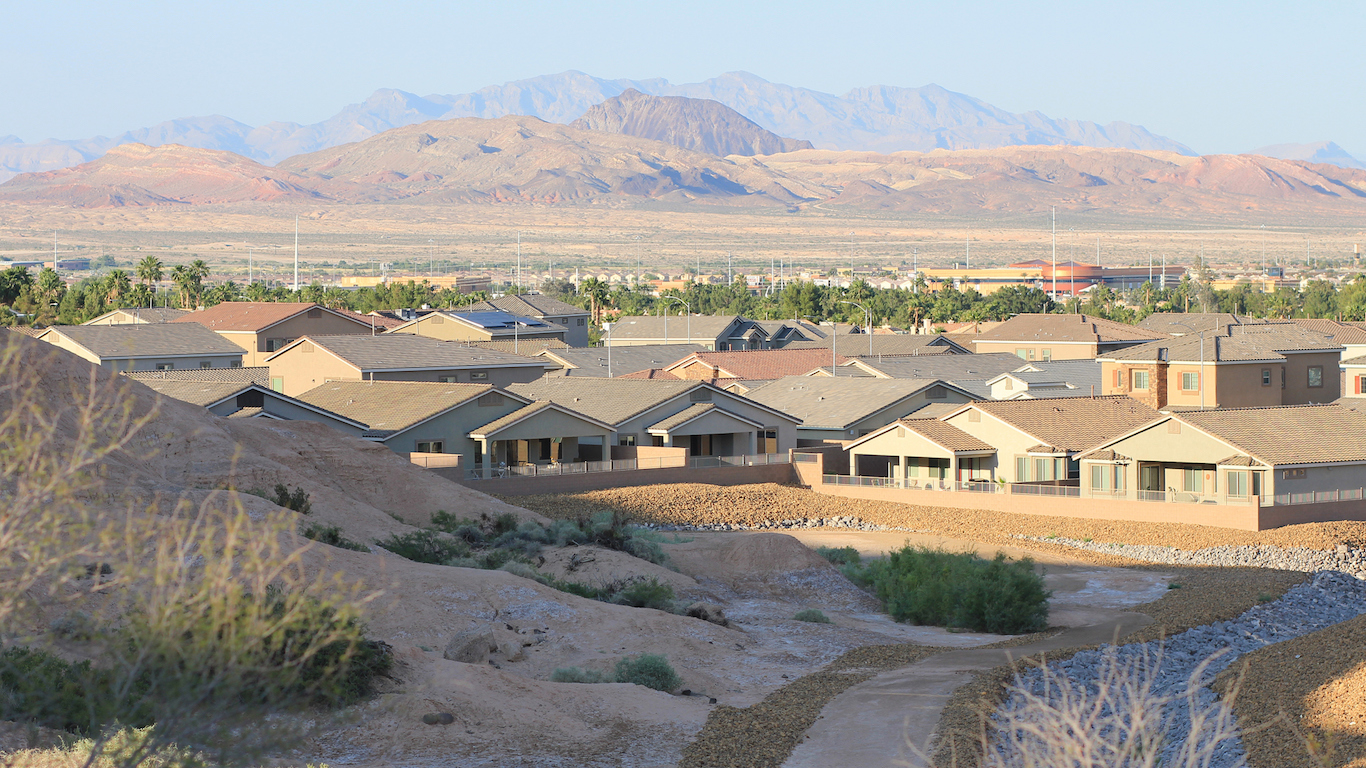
{"x":593,"y":481}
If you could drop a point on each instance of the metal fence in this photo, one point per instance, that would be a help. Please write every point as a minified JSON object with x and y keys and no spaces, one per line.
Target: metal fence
{"x":627,"y":465}
{"x":1316,"y":497}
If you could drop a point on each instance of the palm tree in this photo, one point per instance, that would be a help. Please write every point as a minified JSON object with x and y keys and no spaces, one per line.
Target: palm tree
{"x":116,"y":286}
{"x":150,"y":270}
{"x":597,"y":293}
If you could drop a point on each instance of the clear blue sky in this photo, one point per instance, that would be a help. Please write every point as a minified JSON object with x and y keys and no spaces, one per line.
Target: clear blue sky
{"x":1219,"y":76}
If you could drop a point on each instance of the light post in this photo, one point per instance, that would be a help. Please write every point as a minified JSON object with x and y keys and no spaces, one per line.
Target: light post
{"x":1202,"y":360}
{"x":431,"y":259}
{"x":686,"y":308}
{"x":607,"y":326}
{"x":867,"y":326}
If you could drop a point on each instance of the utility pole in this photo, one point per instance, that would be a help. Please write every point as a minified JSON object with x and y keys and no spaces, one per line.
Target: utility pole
{"x":296,"y":254}
{"x":249,"y":272}
{"x":1055,"y":253}
{"x":519,"y":262}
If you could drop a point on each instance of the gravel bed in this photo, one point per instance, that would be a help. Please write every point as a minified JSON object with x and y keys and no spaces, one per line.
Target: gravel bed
{"x":1343,"y":558}
{"x":1329,"y":598}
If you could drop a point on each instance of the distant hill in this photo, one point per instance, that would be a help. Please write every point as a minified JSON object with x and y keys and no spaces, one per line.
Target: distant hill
{"x":698,"y":124}
{"x":878,"y":118}
{"x":1317,"y":152}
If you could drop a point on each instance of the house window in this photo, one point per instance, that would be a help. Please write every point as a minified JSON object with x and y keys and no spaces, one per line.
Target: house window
{"x":1266,"y":377}
{"x":1140,"y":380}
{"x":626,"y":440}
{"x":1282,"y":377}
{"x":1237,"y":483}
{"x":1099,"y":476}
{"x":431,"y":446}
{"x":1190,"y":382}
{"x":1024,"y":354}
{"x":235,"y":364}
{"x":205,"y":364}
{"x":1192,"y":480}
{"x":1315,"y":376}
{"x":1295,"y":474}
{"x":1119,"y":378}
{"x":581,"y":321}
{"x":1047,"y":354}
{"x":1361,"y":385}
{"x":1021,"y":469}
{"x":479,"y":375}
{"x":770,"y":441}
{"x":165,"y":366}
{"x":446,"y":379}
{"x":277,"y":383}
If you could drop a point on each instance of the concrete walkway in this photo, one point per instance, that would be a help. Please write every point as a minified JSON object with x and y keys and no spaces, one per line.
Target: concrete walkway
{"x":872,"y":724}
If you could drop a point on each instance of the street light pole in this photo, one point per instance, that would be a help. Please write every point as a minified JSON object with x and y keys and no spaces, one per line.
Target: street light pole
{"x":686,"y":308}
{"x":867,"y":326}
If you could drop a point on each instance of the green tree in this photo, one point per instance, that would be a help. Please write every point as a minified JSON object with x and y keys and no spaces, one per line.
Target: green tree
{"x":150,"y":270}
{"x":12,"y":282}
{"x":1320,"y":299}
{"x":117,"y":286}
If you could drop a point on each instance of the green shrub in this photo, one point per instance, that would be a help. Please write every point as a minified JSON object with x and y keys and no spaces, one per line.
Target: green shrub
{"x":578,"y":675}
{"x":812,"y":615}
{"x":39,"y":688}
{"x":840,"y":556}
{"x":332,"y":536}
{"x":425,"y":547}
{"x":647,"y":593}
{"x":649,"y":670}
{"x":933,"y":587}
{"x":296,"y":500}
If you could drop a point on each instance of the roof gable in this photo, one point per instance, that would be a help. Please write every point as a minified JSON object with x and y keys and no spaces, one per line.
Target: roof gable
{"x":255,"y":317}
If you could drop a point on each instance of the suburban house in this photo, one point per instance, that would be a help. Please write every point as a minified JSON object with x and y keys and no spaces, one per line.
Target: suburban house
{"x":1233,"y":367}
{"x":968,"y":372}
{"x":1007,"y":441}
{"x":1354,"y":375}
{"x":146,"y":347}
{"x":782,"y":333}
{"x":1277,"y":455}
{"x":750,"y":366}
{"x":1059,"y":378}
{"x":235,"y":400}
{"x":544,"y":308}
{"x":1045,"y":337}
{"x":1182,"y":323}
{"x":716,"y":333}
{"x":308,"y":362}
{"x":840,"y":410}
{"x":610,"y":362}
{"x":698,"y":416}
{"x":263,"y":328}
{"x":877,"y":345}
{"x":485,"y":426}
{"x":137,"y":316}
{"x":482,"y":326}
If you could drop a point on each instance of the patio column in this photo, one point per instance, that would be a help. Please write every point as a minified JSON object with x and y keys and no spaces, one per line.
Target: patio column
{"x":753,"y":443}
{"x":953,"y":471}
{"x":486,"y":448}
{"x":901,"y":471}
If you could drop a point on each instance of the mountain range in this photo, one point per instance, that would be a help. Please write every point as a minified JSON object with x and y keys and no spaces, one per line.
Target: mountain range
{"x":878,"y":118}
{"x":526,"y":160}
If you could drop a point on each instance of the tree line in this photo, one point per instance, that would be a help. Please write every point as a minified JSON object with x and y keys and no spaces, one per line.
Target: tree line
{"x":45,"y":298}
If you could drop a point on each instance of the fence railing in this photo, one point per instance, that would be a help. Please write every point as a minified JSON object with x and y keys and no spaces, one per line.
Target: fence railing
{"x":626,"y":465}
{"x":1030,"y":489}
{"x":806,"y":458}
{"x":1315,"y":497}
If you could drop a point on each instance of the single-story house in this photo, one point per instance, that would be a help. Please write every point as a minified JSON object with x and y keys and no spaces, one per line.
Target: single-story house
{"x":843,"y":409}
{"x":137,"y":316}
{"x":610,"y":362}
{"x":308,"y":362}
{"x":146,"y":347}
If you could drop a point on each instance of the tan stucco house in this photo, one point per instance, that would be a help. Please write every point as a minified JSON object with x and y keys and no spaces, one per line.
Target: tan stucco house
{"x":263,"y":328}
{"x":1046,"y":337}
{"x":145,"y":347}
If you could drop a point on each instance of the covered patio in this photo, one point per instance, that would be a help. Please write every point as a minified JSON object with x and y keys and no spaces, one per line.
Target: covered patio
{"x":541,"y":433}
{"x":707,"y":429}
{"x":923,"y":453}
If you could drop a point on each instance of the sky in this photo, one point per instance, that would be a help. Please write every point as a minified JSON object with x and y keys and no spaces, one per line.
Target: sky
{"x":1218,"y":76}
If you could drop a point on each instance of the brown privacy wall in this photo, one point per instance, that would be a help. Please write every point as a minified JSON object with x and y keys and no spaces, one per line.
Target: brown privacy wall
{"x":1319,"y":512}
{"x":593,"y":481}
{"x":672,"y":457}
{"x":434,"y":460}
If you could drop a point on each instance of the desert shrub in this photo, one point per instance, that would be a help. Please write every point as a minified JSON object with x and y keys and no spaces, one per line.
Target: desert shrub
{"x":933,"y":587}
{"x":579,"y":675}
{"x":296,"y":499}
{"x":332,"y":536}
{"x":649,"y":670}
{"x":812,"y":615}
{"x":425,"y":547}
{"x":840,"y":555}
{"x":40,"y":688}
{"x":647,"y":593}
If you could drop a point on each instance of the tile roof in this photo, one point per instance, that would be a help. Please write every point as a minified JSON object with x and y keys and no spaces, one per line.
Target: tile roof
{"x":387,"y":407}
{"x":384,"y":322}
{"x":759,"y":363}
{"x":25,"y":330}
{"x":1072,"y":423}
{"x":945,"y":435}
{"x":1342,"y":333}
{"x":682,"y":417}
{"x":704,"y":327}
{"x":402,"y":351}
{"x":1081,"y":328}
{"x":527,"y":347}
{"x":251,"y":316}
{"x":826,"y":403}
{"x":1105,"y":455}
{"x":1235,"y":343}
{"x":246,"y":375}
{"x":536,"y":304}
{"x":1181,"y":323}
{"x":113,"y":342}
{"x":976,"y":367}
{"x":885,"y":344}
{"x":142,"y":315}
{"x":1288,"y":434}
{"x":592,"y":361}
{"x":202,"y":393}
{"x":608,"y":400}
{"x":528,"y":410}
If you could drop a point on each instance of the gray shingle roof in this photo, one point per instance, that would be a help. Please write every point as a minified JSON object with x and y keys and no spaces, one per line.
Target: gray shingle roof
{"x":704,"y":328}
{"x":524,"y":412}
{"x":403,"y":351}
{"x":202,"y":393}
{"x":141,"y":315}
{"x":1080,"y":328}
{"x":535,"y":304}
{"x":1237,"y":343}
{"x":948,"y":367}
{"x":885,"y":344}
{"x":592,"y":361}
{"x":391,"y":406}
{"x":115,"y":342}
{"x":1181,"y":323}
{"x":245,"y":375}
{"x":694,"y":411}
{"x":1073,"y":423}
{"x":1289,"y":434}
{"x":826,"y":403}
{"x":608,"y":400}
